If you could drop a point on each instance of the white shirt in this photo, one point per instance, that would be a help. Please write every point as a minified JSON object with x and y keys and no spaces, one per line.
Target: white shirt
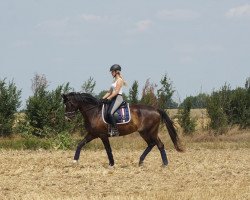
{"x":113,"y":86}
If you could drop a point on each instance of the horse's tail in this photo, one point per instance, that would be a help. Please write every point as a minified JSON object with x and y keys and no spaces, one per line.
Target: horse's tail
{"x":171,"y":130}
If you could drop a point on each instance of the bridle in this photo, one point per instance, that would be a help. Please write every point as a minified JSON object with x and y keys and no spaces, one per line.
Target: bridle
{"x":73,"y":113}
{"x":70,"y":114}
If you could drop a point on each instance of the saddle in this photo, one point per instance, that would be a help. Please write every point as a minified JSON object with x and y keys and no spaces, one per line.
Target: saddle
{"x":122,"y":114}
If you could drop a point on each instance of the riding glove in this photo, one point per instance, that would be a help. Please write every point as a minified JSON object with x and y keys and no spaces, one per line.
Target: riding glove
{"x":105,"y":101}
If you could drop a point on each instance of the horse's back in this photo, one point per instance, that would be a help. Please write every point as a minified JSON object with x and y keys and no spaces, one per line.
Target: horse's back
{"x":144,"y":110}
{"x":145,"y":116}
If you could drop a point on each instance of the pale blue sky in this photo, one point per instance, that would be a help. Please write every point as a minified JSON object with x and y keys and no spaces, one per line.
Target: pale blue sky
{"x":199,"y":44}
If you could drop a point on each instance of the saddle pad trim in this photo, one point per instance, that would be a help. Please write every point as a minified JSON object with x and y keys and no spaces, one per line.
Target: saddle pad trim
{"x":123,"y":111}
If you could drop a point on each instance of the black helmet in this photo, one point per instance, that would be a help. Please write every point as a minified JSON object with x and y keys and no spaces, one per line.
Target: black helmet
{"x":115,"y":67}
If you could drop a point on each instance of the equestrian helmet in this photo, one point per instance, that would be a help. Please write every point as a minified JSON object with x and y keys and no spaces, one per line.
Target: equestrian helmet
{"x":115,"y":67}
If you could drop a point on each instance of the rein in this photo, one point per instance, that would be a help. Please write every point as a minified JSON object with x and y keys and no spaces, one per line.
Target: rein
{"x":90,"y":108}
{"x":72,"y":113}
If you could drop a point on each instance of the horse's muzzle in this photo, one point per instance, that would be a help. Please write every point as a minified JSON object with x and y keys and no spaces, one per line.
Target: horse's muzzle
{"x":70,"y":115}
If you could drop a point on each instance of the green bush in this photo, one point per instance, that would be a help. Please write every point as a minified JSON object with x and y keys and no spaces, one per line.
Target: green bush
{"x":185,"y":120}
{"x":229,"y":107}
{"x":240,"y":107}
{"x":45,"y":109}
{"x":63,"y":141}
{"x":9,"y":103}
{"x":218,"y":109}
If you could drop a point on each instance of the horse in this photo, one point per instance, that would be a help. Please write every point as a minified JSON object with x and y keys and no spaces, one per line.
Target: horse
{"x":144,"y":119}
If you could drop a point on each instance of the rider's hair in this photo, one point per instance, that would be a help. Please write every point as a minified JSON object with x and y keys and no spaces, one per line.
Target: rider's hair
{"x":120,"y":74}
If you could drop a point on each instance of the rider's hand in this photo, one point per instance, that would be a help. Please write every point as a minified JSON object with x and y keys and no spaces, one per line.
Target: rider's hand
{"x":105,"y":101}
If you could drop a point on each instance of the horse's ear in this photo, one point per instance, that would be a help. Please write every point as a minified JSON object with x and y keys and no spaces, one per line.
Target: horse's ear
{"x":64,"y":97}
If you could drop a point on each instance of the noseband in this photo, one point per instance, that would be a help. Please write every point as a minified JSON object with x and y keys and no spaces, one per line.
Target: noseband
{"x":70,"y":114}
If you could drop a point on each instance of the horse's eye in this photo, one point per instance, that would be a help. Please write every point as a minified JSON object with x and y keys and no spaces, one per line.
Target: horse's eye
{"x":70,"y":103}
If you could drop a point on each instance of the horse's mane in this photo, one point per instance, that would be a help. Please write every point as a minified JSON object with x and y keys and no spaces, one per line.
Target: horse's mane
{"x":84,"y":97}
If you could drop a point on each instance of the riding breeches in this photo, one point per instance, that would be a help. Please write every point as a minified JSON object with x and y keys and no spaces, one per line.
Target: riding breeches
{"x":116,"y":102}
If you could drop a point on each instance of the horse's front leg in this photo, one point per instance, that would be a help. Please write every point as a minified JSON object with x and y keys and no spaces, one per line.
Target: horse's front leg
{"x":105,"y":141}
{"x":86,"y":140}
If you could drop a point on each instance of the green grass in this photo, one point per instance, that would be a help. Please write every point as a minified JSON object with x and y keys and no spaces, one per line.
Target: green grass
{"x":234,"y":140}
{"x":25,"y":143}
{"x":62,"y":141}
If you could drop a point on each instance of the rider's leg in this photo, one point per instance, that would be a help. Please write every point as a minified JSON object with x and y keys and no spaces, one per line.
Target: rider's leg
{"x":116,"y":104}
{"x":108,"y":115}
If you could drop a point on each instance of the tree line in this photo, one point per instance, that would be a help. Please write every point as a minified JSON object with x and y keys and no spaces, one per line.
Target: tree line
{"x":43,"y":115}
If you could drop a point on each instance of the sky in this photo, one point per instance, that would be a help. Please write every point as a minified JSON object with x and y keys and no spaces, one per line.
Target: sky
{"x":200,"y":45}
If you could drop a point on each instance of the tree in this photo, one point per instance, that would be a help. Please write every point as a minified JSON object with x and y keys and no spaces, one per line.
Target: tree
{"x":39,"y":83}
{"x":133,"y":93}
{"x":89,"y":86}
{"x":9,"y":103}
{"x":198,"y":101}
{"x":247,"y":84}
{"x":218,"y":109}
{"x":240,"y":107}
{"x":229,"y":107}
{"x":56,"y":110}
{"x":184,"y":117}
{"x":45,"y":109}
{"x":37,"y":110}
{"x":148,"y":94}
{"x":165,"y":93}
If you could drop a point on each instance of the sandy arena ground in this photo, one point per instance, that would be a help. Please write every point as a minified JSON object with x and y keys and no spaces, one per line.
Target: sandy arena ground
{"x":198,"y":173}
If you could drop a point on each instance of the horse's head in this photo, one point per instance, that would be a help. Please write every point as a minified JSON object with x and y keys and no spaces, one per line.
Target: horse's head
{"x":79,"y":101}
{"x":71,"y":106}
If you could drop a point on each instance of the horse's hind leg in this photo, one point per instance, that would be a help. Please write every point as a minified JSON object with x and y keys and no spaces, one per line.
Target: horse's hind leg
{"x":161,"y":148}
{"x":105,"y":141}
{"x":150,"y":143}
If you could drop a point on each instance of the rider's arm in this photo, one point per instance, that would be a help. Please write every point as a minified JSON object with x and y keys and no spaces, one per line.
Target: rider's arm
{"x":117,"y":89}
{"x":107,"y":94}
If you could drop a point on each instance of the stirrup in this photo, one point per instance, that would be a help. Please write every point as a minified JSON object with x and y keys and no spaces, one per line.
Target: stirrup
{"x":114,"y":132}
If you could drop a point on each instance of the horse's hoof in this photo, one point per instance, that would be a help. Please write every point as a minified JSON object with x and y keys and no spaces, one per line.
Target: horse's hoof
{"x":140,"y":164}
{"x":164,"y":165}
{"x":75,"y":162}
{"x":111,"y":167}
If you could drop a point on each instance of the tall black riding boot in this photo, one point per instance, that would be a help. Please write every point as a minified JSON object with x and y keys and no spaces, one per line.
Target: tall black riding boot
{"x":114,"y":129}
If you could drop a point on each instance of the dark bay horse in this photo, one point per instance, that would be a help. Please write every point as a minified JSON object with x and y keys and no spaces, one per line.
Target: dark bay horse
{"x":145,"y":120}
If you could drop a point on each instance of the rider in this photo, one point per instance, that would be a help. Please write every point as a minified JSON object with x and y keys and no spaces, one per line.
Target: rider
{"x":114,"y":96}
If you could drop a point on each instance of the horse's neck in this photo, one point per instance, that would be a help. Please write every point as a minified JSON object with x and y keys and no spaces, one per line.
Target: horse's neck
{"x":89,"y":111}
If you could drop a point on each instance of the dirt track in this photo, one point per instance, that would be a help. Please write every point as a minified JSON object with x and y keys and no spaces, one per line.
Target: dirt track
{"x":196,"y":174}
